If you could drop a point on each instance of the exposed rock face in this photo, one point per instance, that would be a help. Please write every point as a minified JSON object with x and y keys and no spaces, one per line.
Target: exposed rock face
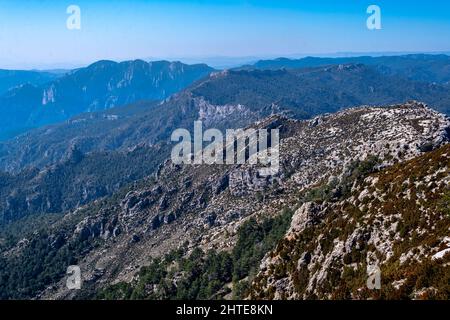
{"x":248,"y":181}
{"x":210,"y":114}
{"x":307,"y":215}
{"x":392,"y":134}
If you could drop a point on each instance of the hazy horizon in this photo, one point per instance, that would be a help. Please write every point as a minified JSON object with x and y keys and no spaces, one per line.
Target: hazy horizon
{"x":34,"y":34}
{"x":218,"y":62}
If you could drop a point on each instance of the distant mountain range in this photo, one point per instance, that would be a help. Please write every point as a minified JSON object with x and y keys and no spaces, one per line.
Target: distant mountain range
{"x":419,"y":67}
{"x":10,"y":79}
{"x":34,"y":99}
{"x":100,"y":86}
{"x":225,"y":99}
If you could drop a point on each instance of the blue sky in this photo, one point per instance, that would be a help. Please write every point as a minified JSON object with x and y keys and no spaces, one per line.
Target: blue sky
{"x":33,"y":33}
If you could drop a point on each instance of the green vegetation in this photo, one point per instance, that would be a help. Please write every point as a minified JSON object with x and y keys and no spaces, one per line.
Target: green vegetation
{"x":40,"y":263}
{"x":445,"y":203}
{"x":336,"y":190}
{"x":206,"y":275}
{"x":255,"y":240}
{"x":77,"y":181}
{"x":34,"y":256}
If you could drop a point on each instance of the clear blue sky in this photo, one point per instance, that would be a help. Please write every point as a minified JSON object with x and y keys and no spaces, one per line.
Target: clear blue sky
{"x":33,"y":33}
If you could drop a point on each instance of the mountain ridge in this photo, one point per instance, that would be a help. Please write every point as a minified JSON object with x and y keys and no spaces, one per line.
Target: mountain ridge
{"x":100,"y":86}
{"x":226,"y":99}
{"x":419,"y":67}
{"x":10,"y":79}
